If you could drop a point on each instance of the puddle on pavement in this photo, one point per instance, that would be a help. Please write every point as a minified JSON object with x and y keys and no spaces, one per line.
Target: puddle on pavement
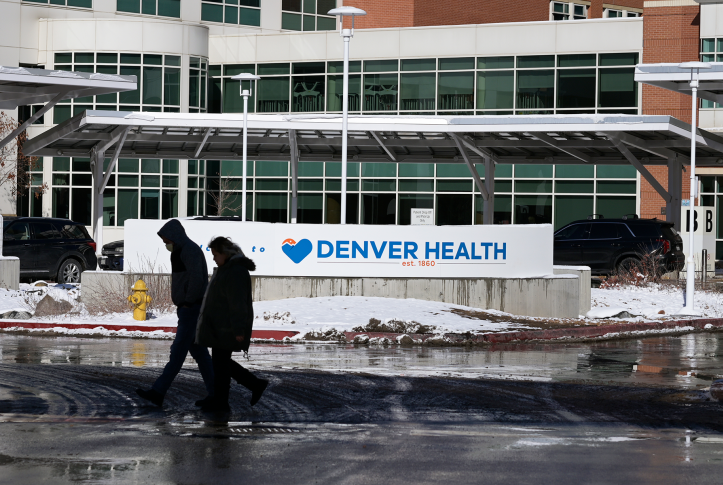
{"x":686,"y":362}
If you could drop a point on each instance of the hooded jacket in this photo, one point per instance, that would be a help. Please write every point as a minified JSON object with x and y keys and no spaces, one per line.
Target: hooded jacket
{"x":189,"y":272}
{"x":228,"y":307}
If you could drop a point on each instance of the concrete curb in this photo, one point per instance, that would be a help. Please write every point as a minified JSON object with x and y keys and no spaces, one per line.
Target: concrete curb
{"x":256,"y":334}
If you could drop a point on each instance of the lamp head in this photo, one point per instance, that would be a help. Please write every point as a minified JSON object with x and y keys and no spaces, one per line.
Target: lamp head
{"x":244,"y":76}
{"x":342,"y":12}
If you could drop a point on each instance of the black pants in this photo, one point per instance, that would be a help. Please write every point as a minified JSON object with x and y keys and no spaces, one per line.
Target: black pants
{"x":224,"y":368}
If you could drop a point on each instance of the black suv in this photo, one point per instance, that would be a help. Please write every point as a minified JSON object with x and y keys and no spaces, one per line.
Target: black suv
{"x":609,"y":245}
{"x":112,"y":256}
{"x":49,"y":247}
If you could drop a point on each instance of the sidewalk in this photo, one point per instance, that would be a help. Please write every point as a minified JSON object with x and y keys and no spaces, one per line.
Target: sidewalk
{"x":628,"y":330}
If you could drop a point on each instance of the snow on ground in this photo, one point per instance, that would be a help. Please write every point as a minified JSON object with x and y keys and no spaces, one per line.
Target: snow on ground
{"x":345,"y":313}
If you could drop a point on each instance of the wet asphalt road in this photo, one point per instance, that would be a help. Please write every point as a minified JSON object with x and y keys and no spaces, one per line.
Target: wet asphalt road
{"x":608,"y":412}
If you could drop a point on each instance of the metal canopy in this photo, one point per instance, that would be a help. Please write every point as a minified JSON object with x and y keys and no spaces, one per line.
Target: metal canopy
{"x":559,"y":139}
{"x":20,"y":86}
{"x":671,"y":77}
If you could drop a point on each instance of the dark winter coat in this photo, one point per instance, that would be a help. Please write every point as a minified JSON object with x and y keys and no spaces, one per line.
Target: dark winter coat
{"x":228,"y":307}
{"x":189,"y":272}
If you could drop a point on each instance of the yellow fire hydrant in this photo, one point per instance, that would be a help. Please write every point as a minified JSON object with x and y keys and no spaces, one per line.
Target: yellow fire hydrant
{"x":139,"y":299}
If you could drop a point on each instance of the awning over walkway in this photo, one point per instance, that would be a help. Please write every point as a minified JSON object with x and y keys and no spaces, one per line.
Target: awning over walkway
{"x":20,"y":86}
{"x":577,"y":139}
{"x":673,"y":78}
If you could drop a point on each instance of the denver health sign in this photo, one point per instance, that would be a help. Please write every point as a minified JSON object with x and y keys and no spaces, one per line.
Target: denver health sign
{"x":509,"y":251}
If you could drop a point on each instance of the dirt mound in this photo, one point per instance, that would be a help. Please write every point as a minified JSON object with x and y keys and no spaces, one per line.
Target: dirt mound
{"x":394,"y":326}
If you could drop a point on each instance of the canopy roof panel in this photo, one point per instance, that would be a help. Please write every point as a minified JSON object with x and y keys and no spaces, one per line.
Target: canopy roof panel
{"x":671,"y":77}
{"x":574,"y":139}
{"x":20,"y":86}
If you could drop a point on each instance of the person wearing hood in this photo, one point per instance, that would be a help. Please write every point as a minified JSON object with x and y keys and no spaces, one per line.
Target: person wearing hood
{"x":189,"y":279}
{"x":226,"y":321}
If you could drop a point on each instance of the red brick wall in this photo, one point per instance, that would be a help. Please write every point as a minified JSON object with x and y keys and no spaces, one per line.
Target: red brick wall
{"x":670,"y":34}
{"x":409,"y":13}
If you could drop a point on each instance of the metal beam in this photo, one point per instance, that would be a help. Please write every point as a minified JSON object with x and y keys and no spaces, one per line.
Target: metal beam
{"x":294,"y":149}
{"x":472,"y":169}
{"x":570,"y":151}
{"x":114,"y":160}
{"x":203,"y":142}
{"x":675,"y":187}
{"x":645,"y":146}
{"x":482,"y":152}
{"x":488,"y":216}
{"x":32,"y":119}
{"x":115,"y":135}
{"x":641,"y":168}
{"x":384,"y":147}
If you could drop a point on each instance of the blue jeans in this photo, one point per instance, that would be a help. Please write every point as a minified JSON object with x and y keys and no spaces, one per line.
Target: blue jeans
{"x":182,"y":345}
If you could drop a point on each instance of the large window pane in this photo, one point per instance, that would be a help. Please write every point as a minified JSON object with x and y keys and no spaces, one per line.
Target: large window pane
{"x":379,"y":209}
{"x":616,"y":171}
{"x":615,"y":207}
{"x":380,"y":92}
{"x":570,"y":208}
{"x":150,"y":204}
{"x":495,"y":90}
{"x":169,"y":8}
{"x":618,"y":88}
{"x":127,"y":205}
{"x":576,"y":88}
{"x":170,"y":204}
{"x":249,"y":16}
{"x":416,"y":170}
{"x":81,"y":210}
{"x":336,"y":93}
{"x":454,"y":210}
{"x":211,"y":13}
{"x":290,"y":21}
{"x":308,"y":94}
{"x":109,"y":218}
{"x":273,"y":95}
{"x":61,"y":203}
{"x":503,"y":209}
{"x":333,"y":208}
{"x":407,"y":202}
{"x":535,"y":89}
{"x":133,"y":6}
{"x":456,"y":90}
{"x":533,"y":209}
{"x":152,"y":85}
{"x":172,"y":86}
{"x":310,"y":208}
{"x":130,"y":97}
{"x":271,"y":207}
{"x":418,"y":91}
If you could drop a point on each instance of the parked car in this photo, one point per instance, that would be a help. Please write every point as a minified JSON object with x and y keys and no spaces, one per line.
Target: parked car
{"x":112,"y":256}
{"x":610,"y":245}
{"x":49,"y":247}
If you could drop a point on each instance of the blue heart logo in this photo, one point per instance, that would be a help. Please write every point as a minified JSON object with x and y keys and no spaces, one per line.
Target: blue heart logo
{"x":296,"y":251}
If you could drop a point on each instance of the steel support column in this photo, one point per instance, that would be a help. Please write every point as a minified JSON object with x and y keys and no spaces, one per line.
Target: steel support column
{"x":294,"y":149}
{"x":489,"y":204}
{"x":675,"y":189}
{"x":96,"y":162}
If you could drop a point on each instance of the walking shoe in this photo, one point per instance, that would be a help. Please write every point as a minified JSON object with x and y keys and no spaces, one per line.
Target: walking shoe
{"x":204,"y":401}
{"x":260,"y":388}
{"x":151,"y":395}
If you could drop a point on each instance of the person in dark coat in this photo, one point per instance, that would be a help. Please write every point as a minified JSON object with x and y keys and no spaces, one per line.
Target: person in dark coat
{"x":226,"y":321}
{"x":189,"y":280}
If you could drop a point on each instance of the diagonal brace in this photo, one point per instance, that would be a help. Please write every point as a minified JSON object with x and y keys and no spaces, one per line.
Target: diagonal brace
{"x":482,"y":152}
{"x":570,"y":151}
{"x":203,"y":143}
{"x":470,"y":165}
{"x":641,"y":168}
{"x":384,"y":147}
{"x":33,"y":118}
{"x":114,"y":160}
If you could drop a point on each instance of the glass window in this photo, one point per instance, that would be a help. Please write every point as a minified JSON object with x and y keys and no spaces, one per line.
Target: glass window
{"x":418,"y":64}
{"x":495,"y":90}
{"x":418,"y":91}
{"x":576,"y":60}
{"x":273,"y":95}
{"x":576,"y":88}
{"x":617,"y":88}
{"x":454,"y":210}
{"x":290,"y":21}
{"x":379,"y":209}
{"x":310,"y":208}
{"x":308,"y":94}
{"x":407,"y":202}
{"x":379,"y":169}
{"x":619,"y":59}
{"x":538,"y":186}
{"x":271,"y":207}
{"x":272,"y":169}
{"x":535,"y":89}
{"x":495,"y":62}
{"x":533,"y":171}
{"x":456,"y":64}
{"x":380,"y":92}
{"x":311,"y":169}
{"x":616,"y":171}
{"x":416,"y":185}
{"x":535,"y":61}
{"x":615,"y":207}
{"x":416,"y":170}
{"x":533,"y":209}
{"x":381,"y":66}
{"x":333,"y":169}
{"x":336,"y":90}
{"x":616,"y":187}
{"x":338,"y":67}
{"x":574,"y":171}
{"x":574,"y":187}
{"x":454,"y":186}
{"x":456,"y":90}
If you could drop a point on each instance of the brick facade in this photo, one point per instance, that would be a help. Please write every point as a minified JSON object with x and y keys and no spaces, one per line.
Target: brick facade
{"x":670,"y":34}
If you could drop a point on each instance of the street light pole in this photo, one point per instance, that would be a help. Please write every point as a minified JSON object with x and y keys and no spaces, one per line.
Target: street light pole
{"x":245,"y":93}
{"x":689,"y":307}
{"x":346,"y":34}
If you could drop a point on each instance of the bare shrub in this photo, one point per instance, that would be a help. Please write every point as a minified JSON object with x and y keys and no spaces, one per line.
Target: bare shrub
{"x":640,"y":272}
{"x":394,"y":326}
{"x":331,"y":335}
{"x":112,"y":294}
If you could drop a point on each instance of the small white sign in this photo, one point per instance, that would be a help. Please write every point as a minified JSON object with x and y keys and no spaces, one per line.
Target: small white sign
{"x":422,"y":217}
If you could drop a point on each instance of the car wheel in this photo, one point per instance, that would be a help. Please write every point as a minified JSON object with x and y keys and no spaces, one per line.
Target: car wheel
{"x":629,"y":265}
{"x":69,"y":271}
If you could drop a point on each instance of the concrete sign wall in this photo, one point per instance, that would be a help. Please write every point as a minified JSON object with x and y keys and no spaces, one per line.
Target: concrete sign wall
{"x":500,"y":251}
